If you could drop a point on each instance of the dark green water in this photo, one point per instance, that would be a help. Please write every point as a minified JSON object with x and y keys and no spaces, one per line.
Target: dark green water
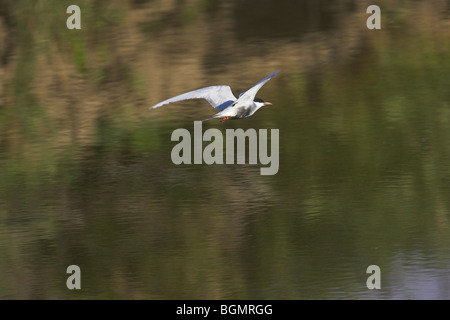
{"x":364,"y":178}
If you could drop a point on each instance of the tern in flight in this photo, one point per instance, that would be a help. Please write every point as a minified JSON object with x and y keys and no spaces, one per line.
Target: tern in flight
{"x":221,"y":98}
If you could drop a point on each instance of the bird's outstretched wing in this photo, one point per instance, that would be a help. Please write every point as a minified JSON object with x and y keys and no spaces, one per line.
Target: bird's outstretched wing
{"x":250,"y":94}
{"x":219,"y":97}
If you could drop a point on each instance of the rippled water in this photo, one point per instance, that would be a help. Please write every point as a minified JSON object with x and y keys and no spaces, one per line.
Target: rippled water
{"x":87,"y":177}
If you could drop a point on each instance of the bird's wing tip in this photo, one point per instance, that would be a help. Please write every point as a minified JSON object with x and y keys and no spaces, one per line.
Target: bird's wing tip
{"x":157,"y":105}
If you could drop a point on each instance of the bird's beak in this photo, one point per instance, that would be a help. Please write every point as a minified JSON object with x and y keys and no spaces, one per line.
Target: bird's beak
{"x":267,"y":103}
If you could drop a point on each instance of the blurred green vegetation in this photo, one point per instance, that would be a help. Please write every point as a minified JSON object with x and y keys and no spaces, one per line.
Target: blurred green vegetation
{"x":28,"y":133}
{"x":364,"y":167}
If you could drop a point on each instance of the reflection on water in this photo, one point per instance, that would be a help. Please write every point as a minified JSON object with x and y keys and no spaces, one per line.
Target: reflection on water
{"x":86,"y":176}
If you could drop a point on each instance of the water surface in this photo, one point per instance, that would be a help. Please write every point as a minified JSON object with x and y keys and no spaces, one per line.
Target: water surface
{"x":86,"y":176}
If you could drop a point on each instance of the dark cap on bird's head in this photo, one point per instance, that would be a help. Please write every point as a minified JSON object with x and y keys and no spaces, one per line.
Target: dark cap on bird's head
{"x":262,"y":101}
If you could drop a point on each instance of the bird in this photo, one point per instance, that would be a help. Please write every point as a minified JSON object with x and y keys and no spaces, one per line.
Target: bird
{"x":221,"y":98}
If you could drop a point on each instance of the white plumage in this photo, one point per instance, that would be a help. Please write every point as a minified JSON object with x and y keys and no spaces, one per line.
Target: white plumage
{"x":222,"y":99}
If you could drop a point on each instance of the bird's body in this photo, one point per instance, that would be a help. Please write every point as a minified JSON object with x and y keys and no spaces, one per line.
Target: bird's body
{"x":222,"y":99}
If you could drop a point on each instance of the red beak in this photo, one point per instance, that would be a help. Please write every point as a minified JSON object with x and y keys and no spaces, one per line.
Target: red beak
{"x":267,"y":103}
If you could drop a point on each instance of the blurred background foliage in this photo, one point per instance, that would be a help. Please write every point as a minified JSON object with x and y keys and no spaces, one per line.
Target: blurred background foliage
{"x":85,"y":169}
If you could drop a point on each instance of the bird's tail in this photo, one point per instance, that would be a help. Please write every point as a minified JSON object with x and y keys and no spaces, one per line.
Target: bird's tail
{"x":213,"y":117}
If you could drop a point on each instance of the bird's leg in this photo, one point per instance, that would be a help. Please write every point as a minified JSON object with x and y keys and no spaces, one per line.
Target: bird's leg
{"x":224,"y":119}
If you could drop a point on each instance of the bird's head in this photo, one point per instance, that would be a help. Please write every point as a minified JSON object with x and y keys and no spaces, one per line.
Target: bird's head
{"x":260,"y":103}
